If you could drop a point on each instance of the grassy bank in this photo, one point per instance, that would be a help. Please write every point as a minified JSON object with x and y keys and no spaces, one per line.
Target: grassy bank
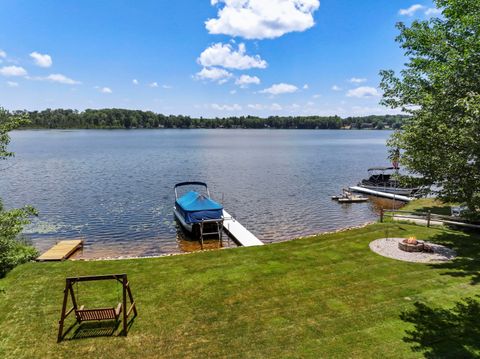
{"x":326,"y":296}
{"x":433,"y":205}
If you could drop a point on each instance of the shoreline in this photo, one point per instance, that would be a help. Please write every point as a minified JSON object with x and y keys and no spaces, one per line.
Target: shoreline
{"x":120,"y":258}
{"x":196,"y":128}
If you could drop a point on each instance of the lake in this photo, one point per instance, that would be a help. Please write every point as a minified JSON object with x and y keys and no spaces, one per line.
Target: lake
{"x":114,"y":188}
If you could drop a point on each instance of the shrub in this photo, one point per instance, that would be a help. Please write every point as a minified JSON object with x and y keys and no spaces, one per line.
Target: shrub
{"x":13,"y":249}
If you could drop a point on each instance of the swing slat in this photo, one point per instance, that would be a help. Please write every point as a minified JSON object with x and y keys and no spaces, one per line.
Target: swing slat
{"x":98,"y":313}
{"x":110,"y":313}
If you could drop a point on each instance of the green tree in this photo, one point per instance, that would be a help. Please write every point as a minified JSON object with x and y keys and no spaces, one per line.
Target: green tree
{"x":440,"y":88}
{"x":13,"y":250}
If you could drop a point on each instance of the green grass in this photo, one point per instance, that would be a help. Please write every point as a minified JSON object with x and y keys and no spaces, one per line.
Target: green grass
{"x":429,"y":204}
{"x":327,"y":296}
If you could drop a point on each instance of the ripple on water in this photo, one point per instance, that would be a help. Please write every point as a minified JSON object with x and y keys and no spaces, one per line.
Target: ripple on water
{"x":115,"y":188}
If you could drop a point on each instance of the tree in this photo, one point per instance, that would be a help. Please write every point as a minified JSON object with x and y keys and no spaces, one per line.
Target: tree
{"x":7,"y":124}
{"x":12,"y":250}
{"x":440,"y":88}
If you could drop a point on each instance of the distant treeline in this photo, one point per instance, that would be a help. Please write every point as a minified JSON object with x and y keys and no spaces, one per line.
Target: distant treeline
{"x":120,"y":118}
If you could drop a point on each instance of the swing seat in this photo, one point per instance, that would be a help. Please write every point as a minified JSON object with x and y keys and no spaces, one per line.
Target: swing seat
{"x":121,"y":313}
{"x":112,"y":313}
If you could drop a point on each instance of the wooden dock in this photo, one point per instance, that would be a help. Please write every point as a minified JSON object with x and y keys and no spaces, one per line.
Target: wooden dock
{"x":381,"y":194}
{"x":61,"y":251}
{"x":239,"y":232}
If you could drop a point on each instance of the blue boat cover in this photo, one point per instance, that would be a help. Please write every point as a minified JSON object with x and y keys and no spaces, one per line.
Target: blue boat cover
{"x":196,"y":207}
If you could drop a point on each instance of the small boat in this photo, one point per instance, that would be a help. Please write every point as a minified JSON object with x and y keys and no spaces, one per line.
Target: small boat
{"x":353,"y":199}
{"x":349,"y":197}
{"x":194,"y":210}
{"x":380,"y":179}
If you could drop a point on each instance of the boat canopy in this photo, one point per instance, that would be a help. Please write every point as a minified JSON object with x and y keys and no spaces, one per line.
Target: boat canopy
{"x":381,"y":168}
{"x":197,"y":207}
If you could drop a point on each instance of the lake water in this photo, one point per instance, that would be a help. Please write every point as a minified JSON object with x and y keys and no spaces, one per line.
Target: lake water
{"x":114,"y":188}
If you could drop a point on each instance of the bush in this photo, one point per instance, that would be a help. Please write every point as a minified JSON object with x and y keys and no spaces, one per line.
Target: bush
{"x":14,"y":250}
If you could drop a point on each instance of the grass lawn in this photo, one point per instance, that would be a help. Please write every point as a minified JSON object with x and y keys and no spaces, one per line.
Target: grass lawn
{"x":429,"y":204}
{"x":327,"y":296}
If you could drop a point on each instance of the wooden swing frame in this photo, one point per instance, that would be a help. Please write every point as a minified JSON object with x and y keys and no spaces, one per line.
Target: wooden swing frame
{"x":111,"y":313}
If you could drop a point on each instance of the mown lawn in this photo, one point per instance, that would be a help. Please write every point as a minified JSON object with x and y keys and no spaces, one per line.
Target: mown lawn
{"x":433,"y":205}
{"x":327,"y":296}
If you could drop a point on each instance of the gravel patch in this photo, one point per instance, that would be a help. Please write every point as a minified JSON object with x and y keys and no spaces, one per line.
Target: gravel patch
{"x":388,"y":247}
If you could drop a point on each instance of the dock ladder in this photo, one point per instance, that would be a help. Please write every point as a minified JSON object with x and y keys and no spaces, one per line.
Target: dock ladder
{"x":219,"y":230}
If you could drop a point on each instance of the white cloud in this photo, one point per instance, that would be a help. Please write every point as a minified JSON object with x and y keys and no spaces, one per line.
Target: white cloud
{"x":13,"y":71}
{"x":62,"y":79}
{"x":363,"y":91}
{"x":233,"y":92}
{"x":234,"y":107}
{"x":432,"y":11}
{"x":280,"y":88}
{"x":3,"y":54}
{"x":276,"y":107}
{"x":42,"y":60}
{"x":317,"y":95}
{"x":153,"y":84}
{"x":261,"y":19}
{"x":260,"y":107}
{"x":167,"y":87}
{"x":244,"y":80}
{"x":357,"y":80}
{"x":411,"y":10}
{"x":224,"y":55}
{"x":135,"y":81}
{"x":256,"y":106}
{"x":305,"y":87}
{"x":214,"y":74}
{"x":12,"y":84}
{"x":365,"y":111}
{"x":336,"y":88}
{"x":106,"y":90}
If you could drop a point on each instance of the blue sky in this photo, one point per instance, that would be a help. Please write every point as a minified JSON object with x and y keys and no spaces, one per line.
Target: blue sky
{"x":201,"y":57}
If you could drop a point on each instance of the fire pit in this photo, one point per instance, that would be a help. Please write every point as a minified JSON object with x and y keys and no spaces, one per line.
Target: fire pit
{"x":411,"y":244}
{"x":412,"y":250}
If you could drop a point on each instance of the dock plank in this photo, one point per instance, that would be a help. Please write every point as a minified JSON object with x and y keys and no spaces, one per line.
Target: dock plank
{"x":239,"y":232}
{"x":61,"y":251}
{"x":381,"y":194}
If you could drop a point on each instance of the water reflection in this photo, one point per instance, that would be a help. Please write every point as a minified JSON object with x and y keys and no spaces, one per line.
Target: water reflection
{"x":115,"y":188}
{"x":188,"y":243}
{"x":376,"y":204}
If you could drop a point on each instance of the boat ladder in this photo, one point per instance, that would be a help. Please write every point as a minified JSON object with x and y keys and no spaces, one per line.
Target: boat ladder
{"x":219,"y":230}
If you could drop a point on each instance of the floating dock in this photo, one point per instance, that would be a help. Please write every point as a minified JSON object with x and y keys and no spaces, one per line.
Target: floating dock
{"x":61,"y":251}
{"x":381,"y":194}
{"x":239,"y":232}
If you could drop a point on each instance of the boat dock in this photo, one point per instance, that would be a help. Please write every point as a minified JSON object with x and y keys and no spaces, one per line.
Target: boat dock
{"x":61,"y":251}
{"x":381,"y":194}
{"x":239,"y":232}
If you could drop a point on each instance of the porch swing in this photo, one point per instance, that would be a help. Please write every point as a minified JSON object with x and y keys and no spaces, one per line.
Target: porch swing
{"x":83,"y":314}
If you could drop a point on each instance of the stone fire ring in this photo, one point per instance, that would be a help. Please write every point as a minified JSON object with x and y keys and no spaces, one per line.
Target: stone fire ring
{"x":388,"y":247}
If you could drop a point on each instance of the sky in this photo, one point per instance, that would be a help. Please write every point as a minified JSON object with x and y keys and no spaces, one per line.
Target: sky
{"x":210,"y":58}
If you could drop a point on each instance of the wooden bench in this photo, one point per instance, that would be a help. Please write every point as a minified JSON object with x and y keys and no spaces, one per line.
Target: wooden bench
{"x":84,"y":315}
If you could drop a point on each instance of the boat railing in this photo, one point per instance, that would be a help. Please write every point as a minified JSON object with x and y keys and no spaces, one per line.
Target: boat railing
{"x":192,"y":183}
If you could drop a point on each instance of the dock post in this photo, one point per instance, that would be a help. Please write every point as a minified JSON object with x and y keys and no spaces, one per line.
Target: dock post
{"x":429,"y":215}
{"x":381,"y":215}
